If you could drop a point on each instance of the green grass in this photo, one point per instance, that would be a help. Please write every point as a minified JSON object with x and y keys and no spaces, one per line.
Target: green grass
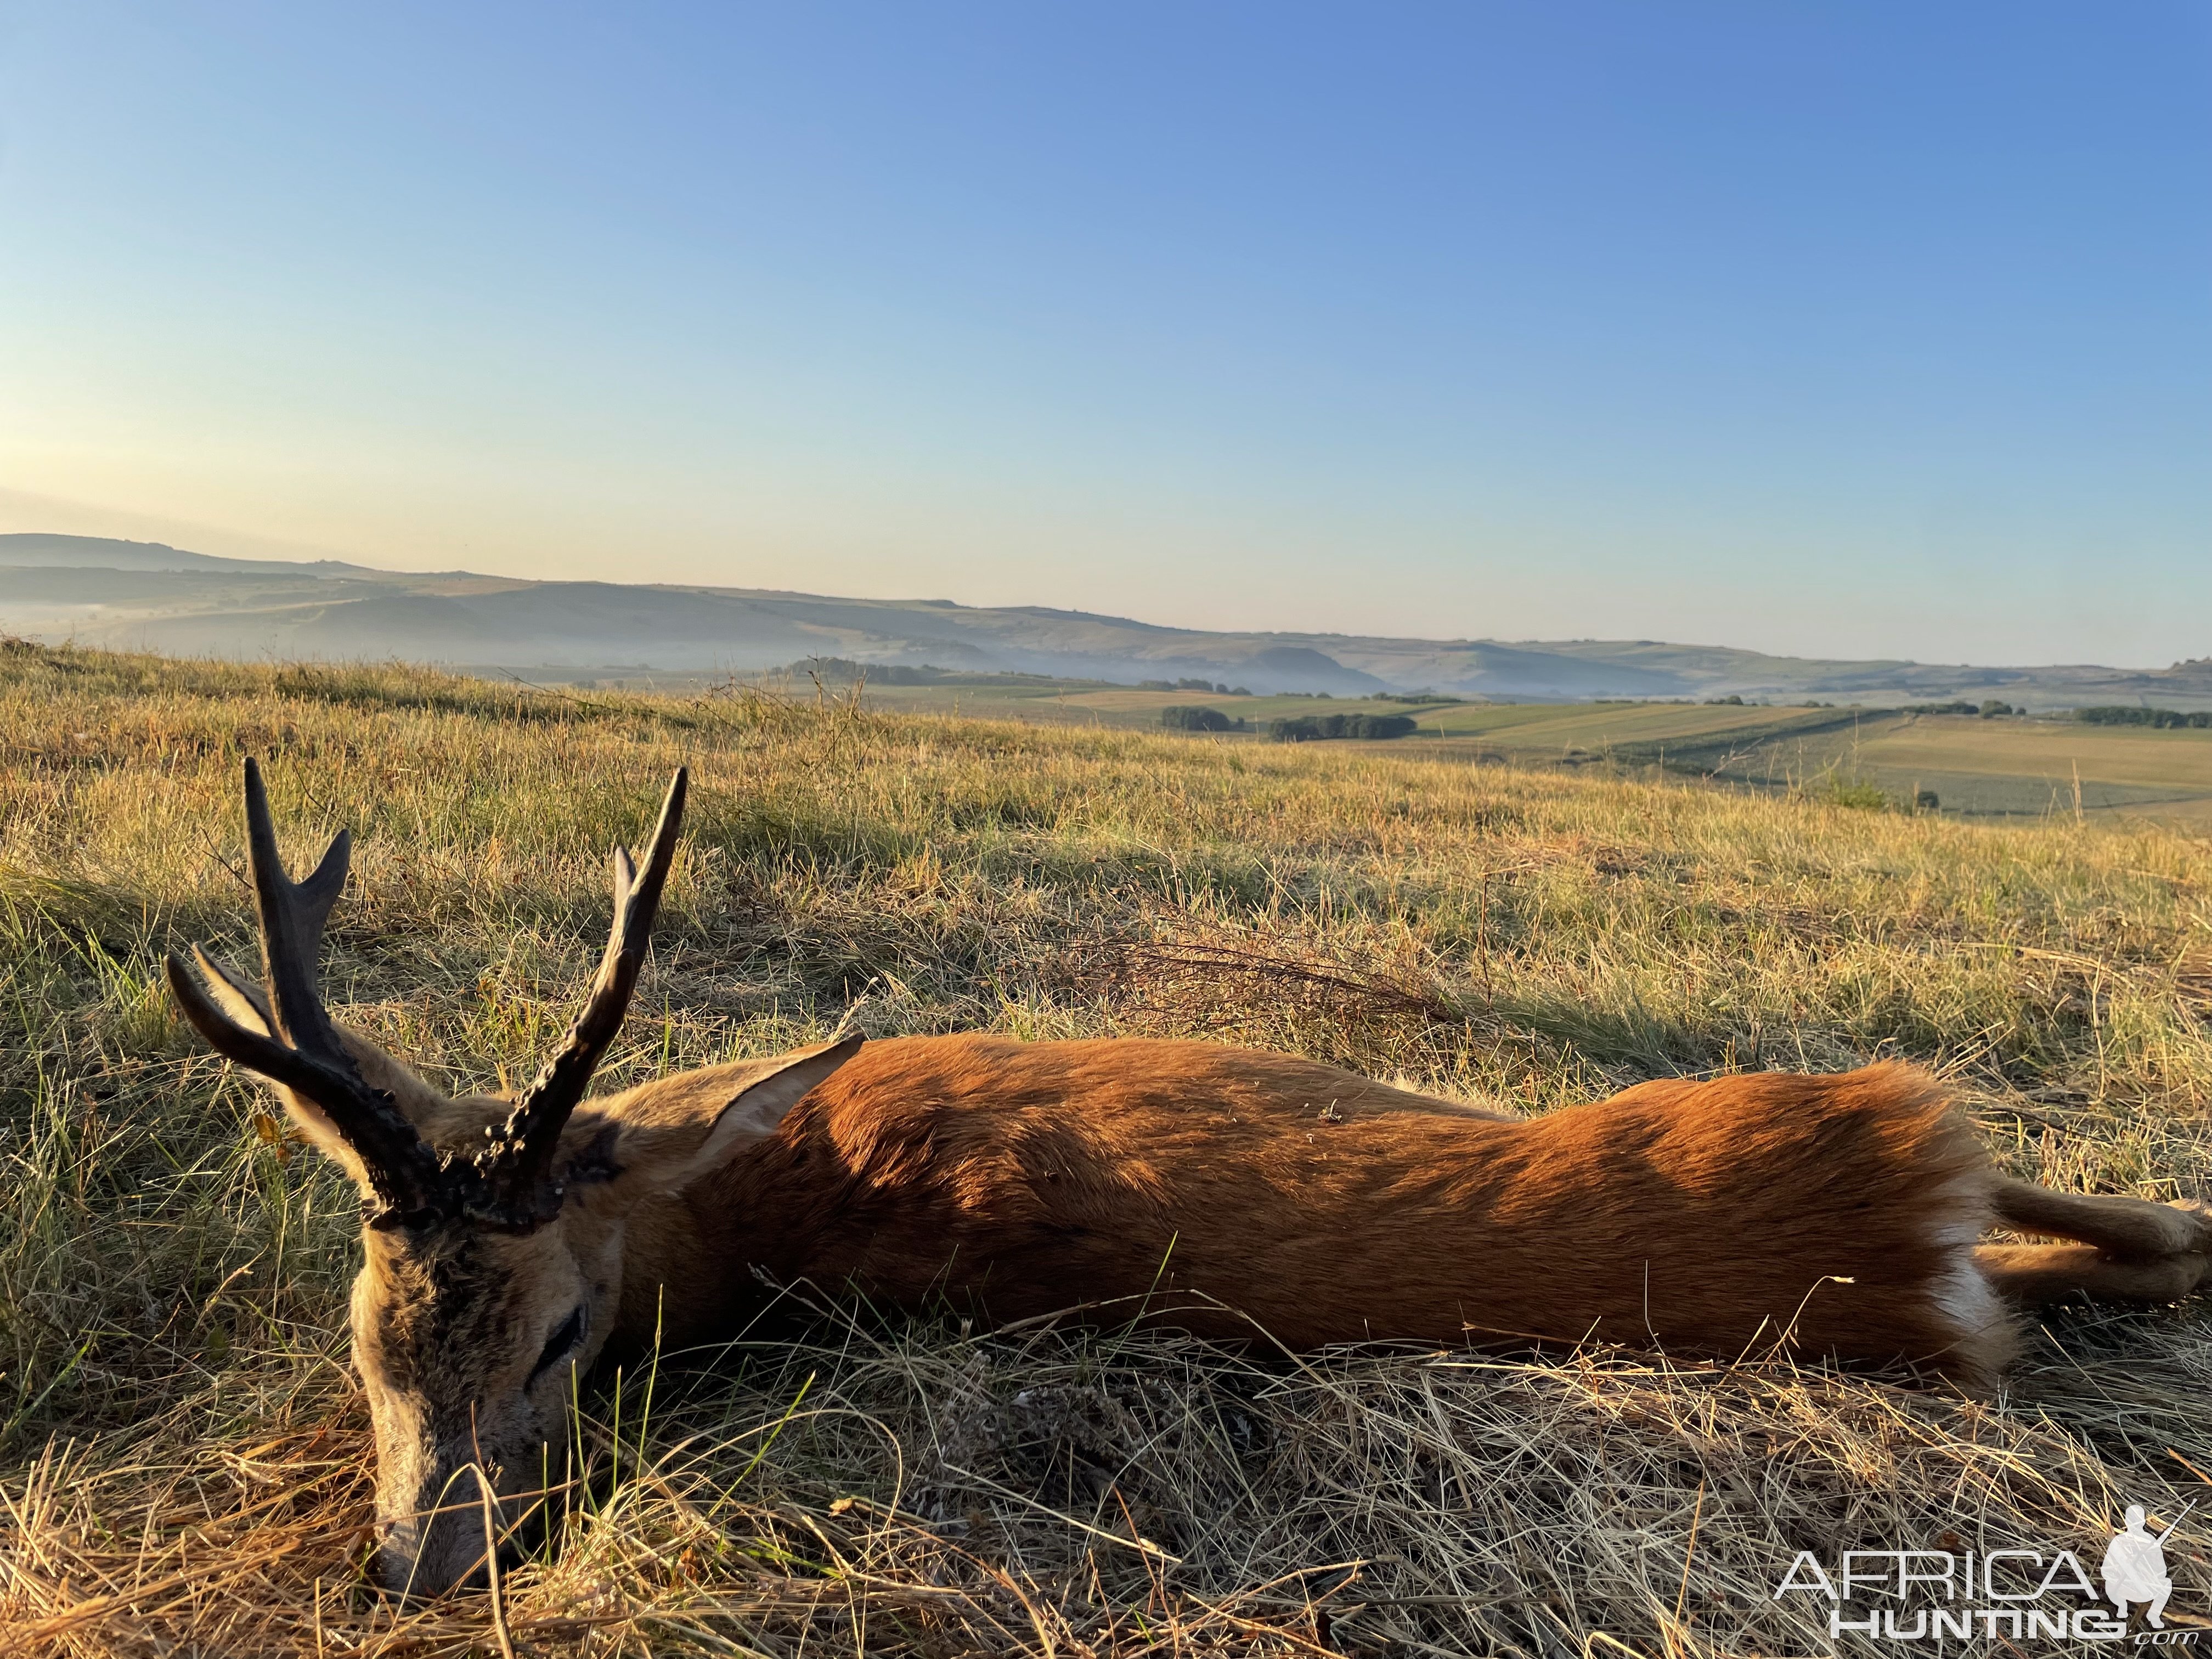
{"x":181,"y":1453}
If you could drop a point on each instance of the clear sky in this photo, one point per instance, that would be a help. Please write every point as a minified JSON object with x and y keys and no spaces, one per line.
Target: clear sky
{"x":1831,"y":328}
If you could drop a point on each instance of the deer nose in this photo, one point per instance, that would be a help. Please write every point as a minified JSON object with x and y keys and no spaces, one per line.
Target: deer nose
{"x":440,"y":1544}
{"x":443,"y":1557}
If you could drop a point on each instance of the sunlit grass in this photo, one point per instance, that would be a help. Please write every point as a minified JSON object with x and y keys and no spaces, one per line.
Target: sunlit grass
{"x":183,"y":1464}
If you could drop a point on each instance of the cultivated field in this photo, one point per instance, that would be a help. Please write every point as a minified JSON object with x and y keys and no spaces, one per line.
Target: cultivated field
{"x":2005,"y":769}
{"x":183,"y":1466}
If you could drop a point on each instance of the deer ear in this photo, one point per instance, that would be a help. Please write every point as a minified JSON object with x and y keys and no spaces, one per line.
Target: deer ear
{"x":664,"y":1135}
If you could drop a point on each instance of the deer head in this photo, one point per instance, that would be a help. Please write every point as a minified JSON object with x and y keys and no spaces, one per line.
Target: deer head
{"x":491,"y":1229}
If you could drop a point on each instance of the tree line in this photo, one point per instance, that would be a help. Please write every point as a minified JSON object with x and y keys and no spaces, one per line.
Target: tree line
{"x":1308,"y":728}
{"x":1987,"y":711}
{"x":1190,"y":717}
{"x":2128,"y":715}
{"x":1302,"y":729}
{"x":1219,"y":688}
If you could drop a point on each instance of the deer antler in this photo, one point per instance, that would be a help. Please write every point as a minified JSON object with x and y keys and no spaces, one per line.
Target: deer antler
{"x":508,"y":1184}
{"x":517,"y":1166}
{"x":300,"y":1049}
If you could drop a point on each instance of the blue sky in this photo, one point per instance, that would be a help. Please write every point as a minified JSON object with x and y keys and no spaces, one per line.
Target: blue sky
{"x":1859,"y":330}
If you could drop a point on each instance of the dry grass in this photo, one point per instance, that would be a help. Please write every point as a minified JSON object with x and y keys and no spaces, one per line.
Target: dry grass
{"x":183,"y":1467}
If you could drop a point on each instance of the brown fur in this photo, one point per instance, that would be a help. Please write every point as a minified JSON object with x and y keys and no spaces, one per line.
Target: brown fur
{"x":1234,"y":1188}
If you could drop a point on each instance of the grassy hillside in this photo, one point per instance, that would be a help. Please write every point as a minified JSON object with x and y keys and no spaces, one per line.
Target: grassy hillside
{"x":184,"y":1463}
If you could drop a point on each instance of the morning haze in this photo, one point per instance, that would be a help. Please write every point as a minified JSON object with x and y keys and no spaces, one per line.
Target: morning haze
{"x":99,"y":590}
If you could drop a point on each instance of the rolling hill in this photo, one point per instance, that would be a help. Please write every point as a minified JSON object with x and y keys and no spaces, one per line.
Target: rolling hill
{"x":146,"y":595}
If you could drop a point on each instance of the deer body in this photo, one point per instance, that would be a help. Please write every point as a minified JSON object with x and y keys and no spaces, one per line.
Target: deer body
{"x":1226,"y":1190}
{"x":506,"y":1244}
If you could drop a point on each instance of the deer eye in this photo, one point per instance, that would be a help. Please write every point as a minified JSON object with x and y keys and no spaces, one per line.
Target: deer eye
{"x":558,"y":1344}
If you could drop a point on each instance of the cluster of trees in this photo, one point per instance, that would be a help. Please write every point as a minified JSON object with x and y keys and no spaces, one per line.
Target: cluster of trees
{"x":1734,"y":700}
{"x":1190,"y":717}
{"x":1989,"y":710}
{"x":1306,"y":728}
{"x":2125,"y":714}
{"x":1219,"y":690}
{"x":843,"y":671}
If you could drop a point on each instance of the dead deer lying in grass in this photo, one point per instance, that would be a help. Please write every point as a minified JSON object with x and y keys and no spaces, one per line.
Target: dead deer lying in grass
{"x":506,"y":1242}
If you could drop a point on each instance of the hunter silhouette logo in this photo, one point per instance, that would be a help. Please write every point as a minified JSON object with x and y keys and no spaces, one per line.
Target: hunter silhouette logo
{"x":2135,"y":1568}
{"x":2023,"y":1594}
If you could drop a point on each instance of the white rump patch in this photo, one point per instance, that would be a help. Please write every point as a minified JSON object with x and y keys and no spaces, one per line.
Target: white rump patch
{"x":1967,"y":1302}
{"x":1958,"y":1212}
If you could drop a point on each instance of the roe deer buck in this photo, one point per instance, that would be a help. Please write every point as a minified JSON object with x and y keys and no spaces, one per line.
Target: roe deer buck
{"x":504,"y":1242}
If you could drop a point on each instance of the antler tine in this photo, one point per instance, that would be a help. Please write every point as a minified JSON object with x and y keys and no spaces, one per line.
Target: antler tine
{"x":391,"y":1152}
{"x":302,"y":1051}
{"x":520,"y":1158}
{"x":293,"y":915}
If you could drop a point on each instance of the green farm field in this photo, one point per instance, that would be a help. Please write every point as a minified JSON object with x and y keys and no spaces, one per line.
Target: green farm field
{"x":184,"y":1459}
{"x":2004,"y":768}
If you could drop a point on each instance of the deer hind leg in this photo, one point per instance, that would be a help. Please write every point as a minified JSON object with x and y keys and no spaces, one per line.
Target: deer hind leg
{"x":2032,"y":1274}
{"x":2134,"y":1228}
{"x":2130,"y":1249}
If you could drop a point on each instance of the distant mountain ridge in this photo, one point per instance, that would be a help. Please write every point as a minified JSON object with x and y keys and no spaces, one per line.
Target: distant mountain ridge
{"x":37,"y":548}
{"x":148,"y":595}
